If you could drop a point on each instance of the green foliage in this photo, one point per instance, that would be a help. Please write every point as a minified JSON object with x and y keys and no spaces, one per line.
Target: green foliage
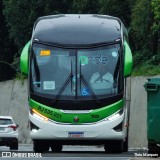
{"x":140,"y":25}
{"x":146,"y":70}
{"x":18,"y":17}
{"x":156,"y":11}
{"x":116,"y":8}
{"x":7,"y":50}
{"x":85,"y":6}
{"x":7,"y":47}
{"x":141,"y":17}
{"x":146,"y":66}
{"x":21,"y":15}
{"x":144,"y":35}
{"x":20,"y":77}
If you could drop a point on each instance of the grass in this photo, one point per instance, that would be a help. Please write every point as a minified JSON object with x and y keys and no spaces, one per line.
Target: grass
{"x":146,"y":70}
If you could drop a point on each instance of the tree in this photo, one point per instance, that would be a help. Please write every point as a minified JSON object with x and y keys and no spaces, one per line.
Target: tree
{"x":156,"y":11}
{"x":141,"y":17}
{"x":116,"y":8}
{"x":143,"y":22}
{"x":7,"y":50}
{"x":155,"y":4}
{"x":85,"y":6}
{"x":21,"y":14}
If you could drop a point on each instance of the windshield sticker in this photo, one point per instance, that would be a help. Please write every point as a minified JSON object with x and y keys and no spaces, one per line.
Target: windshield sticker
{"x":45,"y":53}
{"x":83,"y":60}
{"x":49,"y":85}
{"x":94,"y":59}
{"x":35,"y":83}
{"x":114,"y":54}
{"x":98,"y":59}
{"x":84,"y":92}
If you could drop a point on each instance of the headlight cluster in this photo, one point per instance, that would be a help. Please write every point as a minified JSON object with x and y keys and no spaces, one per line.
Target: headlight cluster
{"x":38,"y":115}
{"x":115,"y":115}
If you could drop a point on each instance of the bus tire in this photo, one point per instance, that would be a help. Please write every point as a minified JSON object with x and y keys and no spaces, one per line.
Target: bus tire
{"x":114,"y":147}
{"x":56,"y":148}
{"x":125,"y":145}
{"x":14,"y":146}
{"x":153,"y":149}
{"x":39,"y":147}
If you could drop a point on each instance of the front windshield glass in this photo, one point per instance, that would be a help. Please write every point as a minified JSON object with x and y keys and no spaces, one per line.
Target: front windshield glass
{"x":100,"y":67}
{"x":75,"y":73}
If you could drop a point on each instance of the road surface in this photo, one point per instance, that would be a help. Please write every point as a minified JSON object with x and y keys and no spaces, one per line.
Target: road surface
{"x":73,"y":153}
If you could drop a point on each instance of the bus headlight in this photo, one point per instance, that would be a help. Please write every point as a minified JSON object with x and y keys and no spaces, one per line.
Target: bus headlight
{"x":115,"y":116}
{"x":34,"y":130}
{"x":38,"y":115}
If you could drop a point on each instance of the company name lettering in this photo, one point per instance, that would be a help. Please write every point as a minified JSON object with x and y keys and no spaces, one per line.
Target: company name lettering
{"x":98,"y":59}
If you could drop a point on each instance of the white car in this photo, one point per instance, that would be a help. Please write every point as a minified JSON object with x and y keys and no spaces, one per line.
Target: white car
{"x":8,"y":132}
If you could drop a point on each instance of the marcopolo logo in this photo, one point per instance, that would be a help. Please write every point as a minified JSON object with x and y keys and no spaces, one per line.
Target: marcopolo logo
{"x":93,"y":59}
{"x":76,"y":119}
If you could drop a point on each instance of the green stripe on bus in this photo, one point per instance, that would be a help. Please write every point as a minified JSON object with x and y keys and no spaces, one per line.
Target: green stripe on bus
{"x":91,"y":117}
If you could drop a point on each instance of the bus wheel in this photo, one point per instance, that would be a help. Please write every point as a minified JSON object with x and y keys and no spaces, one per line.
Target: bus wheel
{"x":125,"y":145}
{"x":39,"y":147}
{"x":153,"y":148}
{"x":114,"y":147}
{"x":56,"y":148}
{"x":14,"y":146}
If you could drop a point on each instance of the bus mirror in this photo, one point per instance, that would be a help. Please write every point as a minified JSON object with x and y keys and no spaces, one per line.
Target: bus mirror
{"x":128,"y":61}
{"x":24,"y":59}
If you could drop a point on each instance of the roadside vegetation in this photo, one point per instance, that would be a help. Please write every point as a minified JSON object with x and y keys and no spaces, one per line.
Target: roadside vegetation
{"x":146,"y":66}
{"x":141,"y":18}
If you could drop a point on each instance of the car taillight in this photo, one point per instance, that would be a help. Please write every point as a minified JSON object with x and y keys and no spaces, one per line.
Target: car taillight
{"x":13,"y":127}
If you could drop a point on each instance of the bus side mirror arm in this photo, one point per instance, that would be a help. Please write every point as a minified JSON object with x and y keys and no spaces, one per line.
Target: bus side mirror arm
{"x":128,"y":60}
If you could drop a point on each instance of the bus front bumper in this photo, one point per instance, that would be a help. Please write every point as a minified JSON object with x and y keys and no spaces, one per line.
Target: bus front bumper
{"x":102,"y":130}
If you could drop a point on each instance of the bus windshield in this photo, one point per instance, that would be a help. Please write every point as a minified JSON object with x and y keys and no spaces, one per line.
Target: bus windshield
{"x":70,"y":74}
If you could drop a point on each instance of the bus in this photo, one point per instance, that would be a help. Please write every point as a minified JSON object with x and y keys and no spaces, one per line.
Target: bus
{"x":77,"y":68}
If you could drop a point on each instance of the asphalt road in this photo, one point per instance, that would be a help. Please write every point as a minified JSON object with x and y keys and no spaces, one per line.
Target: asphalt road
{"x":71,"y":153}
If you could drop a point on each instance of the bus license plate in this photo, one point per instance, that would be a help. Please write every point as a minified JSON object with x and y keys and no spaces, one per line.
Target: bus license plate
{"x":75,"y":134}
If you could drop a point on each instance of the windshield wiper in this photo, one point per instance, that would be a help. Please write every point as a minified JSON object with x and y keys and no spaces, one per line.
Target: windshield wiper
{"x":70,"y":77}
{"x":90,"y":89}
{"x":65,"y":84}
{"x":87,"y":85}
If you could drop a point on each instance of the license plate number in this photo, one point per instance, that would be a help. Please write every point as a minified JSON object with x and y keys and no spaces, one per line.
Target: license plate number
{"x":75,"y":134}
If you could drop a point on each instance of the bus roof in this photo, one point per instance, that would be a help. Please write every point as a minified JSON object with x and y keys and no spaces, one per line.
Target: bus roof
{"x":75,"y":29}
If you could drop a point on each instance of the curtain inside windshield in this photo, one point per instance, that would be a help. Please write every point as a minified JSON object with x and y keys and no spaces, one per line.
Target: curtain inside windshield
{"x":74,"y":73}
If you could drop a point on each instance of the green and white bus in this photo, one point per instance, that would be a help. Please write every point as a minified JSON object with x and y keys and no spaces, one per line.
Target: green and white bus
{"x":77,"y":67}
